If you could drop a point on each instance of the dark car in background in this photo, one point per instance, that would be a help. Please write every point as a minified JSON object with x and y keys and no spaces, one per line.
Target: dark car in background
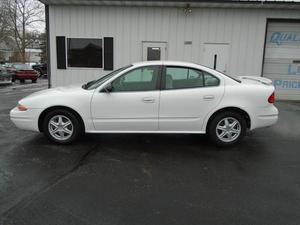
{"x":40,"y":68}
{"x":23,"y":72}
{"x":5,"y":76}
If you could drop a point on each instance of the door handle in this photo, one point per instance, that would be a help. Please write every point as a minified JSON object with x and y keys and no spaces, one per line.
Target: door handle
{"x":148,"y":100}
{"x":208,"y":97}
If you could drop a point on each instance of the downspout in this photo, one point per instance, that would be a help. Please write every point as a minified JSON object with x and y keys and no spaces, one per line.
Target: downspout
{"x":48,"y":46}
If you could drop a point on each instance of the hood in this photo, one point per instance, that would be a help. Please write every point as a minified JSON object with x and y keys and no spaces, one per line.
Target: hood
{"x":255,"y":80}
{"x":40,"y":98}
{"x":65,"y":89}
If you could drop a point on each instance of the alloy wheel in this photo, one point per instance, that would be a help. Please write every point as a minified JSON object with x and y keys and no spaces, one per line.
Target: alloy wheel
{"x":228,"y":129}
{"x":60,"y":127}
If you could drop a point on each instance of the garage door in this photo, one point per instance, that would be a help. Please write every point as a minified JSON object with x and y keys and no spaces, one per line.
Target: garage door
{"x":282,"y":59}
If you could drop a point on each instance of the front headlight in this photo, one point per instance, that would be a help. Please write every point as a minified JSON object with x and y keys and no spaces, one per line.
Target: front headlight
{"x":21,"y":107}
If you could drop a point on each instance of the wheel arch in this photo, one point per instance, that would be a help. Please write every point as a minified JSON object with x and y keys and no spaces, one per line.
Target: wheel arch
{"x":231,"y":109}
{"x":47,"y":110}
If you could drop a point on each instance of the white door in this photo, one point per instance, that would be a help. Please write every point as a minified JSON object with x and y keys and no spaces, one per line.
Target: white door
{"x":216,"y":56}
{"x":154,"y":51}
{"x":189,"y":95}
{"x":131,"y":105}
{"x":282,"y":59}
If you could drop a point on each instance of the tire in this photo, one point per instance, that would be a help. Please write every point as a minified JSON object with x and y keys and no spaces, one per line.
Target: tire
{"x":33,"y":81}
{"x":22,"y":81}
{"x":13,"y":79}
{"x":227,"y":128}
{"x":52,"y":122}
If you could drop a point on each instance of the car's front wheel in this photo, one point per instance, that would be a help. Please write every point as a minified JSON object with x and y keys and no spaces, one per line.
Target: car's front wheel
{"x":61,"y":126}
{"x":227,"y":128}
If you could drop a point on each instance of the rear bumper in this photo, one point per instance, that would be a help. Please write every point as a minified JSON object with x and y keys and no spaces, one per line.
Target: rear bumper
{"x":265,"y":117}
{"x":25,"y":120}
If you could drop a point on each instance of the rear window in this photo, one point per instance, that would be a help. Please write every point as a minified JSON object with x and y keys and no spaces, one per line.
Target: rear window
{"x":22,"y":67}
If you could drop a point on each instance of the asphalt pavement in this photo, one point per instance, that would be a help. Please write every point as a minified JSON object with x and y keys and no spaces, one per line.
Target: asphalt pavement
{"x":141,"y":179}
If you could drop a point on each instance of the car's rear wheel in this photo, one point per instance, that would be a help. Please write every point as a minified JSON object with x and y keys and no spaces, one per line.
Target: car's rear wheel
{"x":227,"y":128}
{"x":22,"y":81}
{"x":61,"y":126}
{"x":33,"y":80}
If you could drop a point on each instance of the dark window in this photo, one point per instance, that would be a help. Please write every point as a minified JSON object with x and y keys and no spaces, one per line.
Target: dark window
{"x":84,"y":52}
{"x":153,"y":53}
{"x":139,"y":79}
{"x":61,"y":52}
{"x":182,"y":77}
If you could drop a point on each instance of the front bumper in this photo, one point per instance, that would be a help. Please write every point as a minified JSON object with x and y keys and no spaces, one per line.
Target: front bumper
{"x":5,"y":80}
{"x":25,"y":120}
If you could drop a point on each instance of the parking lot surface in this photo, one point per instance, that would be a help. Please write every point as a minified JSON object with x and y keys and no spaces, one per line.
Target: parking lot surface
{"x":140,"y":179}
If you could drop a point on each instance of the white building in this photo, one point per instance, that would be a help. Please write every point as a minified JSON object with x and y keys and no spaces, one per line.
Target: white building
{"x":89,"y":38}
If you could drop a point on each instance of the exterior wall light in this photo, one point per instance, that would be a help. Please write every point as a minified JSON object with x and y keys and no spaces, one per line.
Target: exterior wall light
{"x":187,"y":10}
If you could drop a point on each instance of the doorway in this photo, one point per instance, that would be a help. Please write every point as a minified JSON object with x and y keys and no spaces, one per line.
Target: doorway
{"x":216,"y":56}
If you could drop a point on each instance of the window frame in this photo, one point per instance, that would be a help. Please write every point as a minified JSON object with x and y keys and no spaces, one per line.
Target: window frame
{"x":164,"y":73}
{"x":158,"y":82}
{"x":81,"y":67}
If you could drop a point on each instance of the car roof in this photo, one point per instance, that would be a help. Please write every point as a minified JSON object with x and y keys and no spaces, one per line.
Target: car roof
{"x":165,"y":62}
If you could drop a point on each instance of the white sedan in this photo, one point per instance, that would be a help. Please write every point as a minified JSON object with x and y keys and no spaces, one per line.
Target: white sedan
{"x":152,"y":97}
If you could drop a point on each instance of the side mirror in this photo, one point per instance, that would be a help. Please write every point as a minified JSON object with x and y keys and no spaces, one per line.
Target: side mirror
{"x":107,"y":88}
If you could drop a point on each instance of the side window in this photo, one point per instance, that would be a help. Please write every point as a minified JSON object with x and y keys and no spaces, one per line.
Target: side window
{"x":180,"y":77}
{"x":210,"y":80}
{"x":140,"y":79}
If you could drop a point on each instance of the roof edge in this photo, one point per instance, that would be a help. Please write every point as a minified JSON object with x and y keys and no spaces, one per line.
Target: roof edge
{"x":181,"y":3}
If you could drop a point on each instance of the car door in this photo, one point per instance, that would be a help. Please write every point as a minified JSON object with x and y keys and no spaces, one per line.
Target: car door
{"x":132,"y":103}
{"x":187,"y":96}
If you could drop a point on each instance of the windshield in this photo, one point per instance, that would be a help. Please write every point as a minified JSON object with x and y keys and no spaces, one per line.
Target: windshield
{"x":22,"y":67}
{"x":96,"y":83}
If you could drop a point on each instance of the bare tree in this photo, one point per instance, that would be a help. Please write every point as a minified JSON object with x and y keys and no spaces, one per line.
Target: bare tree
{"x":24,"y":15}
{"x":5,"y":25}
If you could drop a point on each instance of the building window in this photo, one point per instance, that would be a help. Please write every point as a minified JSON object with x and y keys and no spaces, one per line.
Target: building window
{"x":153,"y":53}
{"x":85,"y":52}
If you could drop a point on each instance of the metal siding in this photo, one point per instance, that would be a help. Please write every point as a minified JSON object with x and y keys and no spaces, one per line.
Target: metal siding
{"x":242,"y":29}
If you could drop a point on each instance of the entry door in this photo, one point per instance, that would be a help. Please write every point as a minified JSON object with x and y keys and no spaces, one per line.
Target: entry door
{"x":216,"y":56}
{"x":154,"y":51}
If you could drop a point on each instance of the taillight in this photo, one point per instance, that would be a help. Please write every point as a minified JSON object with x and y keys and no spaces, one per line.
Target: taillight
{"x":271,"y":99}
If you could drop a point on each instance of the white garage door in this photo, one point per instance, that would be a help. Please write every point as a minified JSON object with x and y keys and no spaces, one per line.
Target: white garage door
{"x":282,"y":59}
